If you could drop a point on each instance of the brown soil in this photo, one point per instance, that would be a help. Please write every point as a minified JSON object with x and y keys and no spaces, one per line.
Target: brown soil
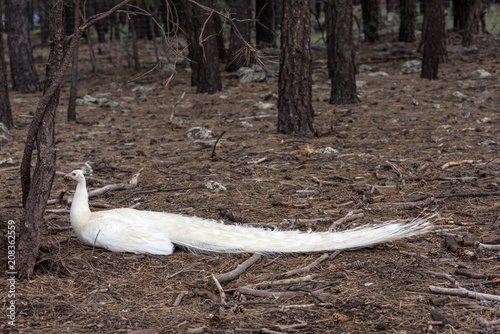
{"x":391,"y":151}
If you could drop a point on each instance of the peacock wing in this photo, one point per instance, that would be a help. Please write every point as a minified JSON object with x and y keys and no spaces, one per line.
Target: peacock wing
{"x":123,"y":230}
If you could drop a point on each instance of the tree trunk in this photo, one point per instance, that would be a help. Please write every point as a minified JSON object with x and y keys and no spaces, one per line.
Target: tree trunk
{"x":341,"y":54}
{"x":371,"y":19}
{"x":241,"y":10}
{"x":36,"y":191}
{"x":5,"y":110}
{"x":433,"y":38}
{"x":24,"y":78}
{"x":408,"y":19}
{"x":459,"y":14}
{"x":203,"y":51}
{"x":71,"y":115}
{"x":35,"y":199}
{"x":44,"y":21}
{"x":265,"y":23}
{"x":295,"y":111}
{"x":473,"y":21}
{"x":392,"y":6}
{"x":135,"y":46}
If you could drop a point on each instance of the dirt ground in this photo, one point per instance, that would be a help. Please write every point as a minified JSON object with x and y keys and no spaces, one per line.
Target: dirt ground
{"x":390,"y":157}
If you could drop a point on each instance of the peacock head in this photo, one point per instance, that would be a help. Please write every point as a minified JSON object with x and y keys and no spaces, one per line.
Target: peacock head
{"x":75,"y":175}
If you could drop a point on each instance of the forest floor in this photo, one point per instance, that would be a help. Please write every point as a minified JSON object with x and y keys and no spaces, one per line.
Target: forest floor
{"x":409,"y":147}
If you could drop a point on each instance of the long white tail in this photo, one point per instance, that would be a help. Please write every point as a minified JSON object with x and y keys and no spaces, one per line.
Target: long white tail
{"x":198,"y":234}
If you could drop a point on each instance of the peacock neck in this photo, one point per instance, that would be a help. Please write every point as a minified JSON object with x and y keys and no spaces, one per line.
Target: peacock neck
{"x":80,"y":209}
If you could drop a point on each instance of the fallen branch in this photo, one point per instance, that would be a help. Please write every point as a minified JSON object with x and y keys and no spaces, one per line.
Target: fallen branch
{"x":473,"y":306}
{"x":273,"y":294}
{"x":175,"y":104}
{"x":215,"y":145}
{"x":464,"y":293}
{"x":285,"y":281}
{"x":419,"y":204}
{"x":464,"y":194}
{"x":351,"y":215}
{"x":489,"y":247}
{"x":321,"y":182}
{"x":220,"y":289}
{"x":466,"y":273}
{"x":284,"y":307}
{"x":446,"y":276}
{"x":456,"y":163}
{"x":488,"y":324}
{"x":240,"y":269}
{"x":307,"y":268}
{"x":179,"y":297}
{"x":441,"y":317}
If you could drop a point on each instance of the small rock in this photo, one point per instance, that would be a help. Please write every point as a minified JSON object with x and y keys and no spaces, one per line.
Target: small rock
{"x":141,"y":89}
{"x":247,"y":125}
{"x":437,"y":106}
{"x":86,"y":100}
{"x":414,"y":102}
{"x":326,"y":150}
{"x":255,"y":73}
{"x":111,"y":104}
{"x":215,"y":186}
{"x":6,"y":162}
{"x":411,"y":66}
{"x":168,"y":69}
{"x":481,"y":74}
{"x":379,"y":74}
{"x":487,"y":142}
{"x":459,"y":95}
{"x":363,"y":68}
{"x":360,"y":84}
{"x":382,"y":47}
{"x":268,"y":96}
{"x":263,"y":105}
{"x":83,"y":136}
{"x":199,"y":132}
{"x":5,"y":136}
{"x":483,"y":120}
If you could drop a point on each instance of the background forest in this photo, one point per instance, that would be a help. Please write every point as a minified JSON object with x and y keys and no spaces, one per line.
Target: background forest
{"x":291,"y":115}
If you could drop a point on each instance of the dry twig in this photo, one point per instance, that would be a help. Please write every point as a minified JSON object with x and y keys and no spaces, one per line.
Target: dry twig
{"x":240,"y":269}
{"x":351,"y":215}
{"x":464,"y":293}
{"x":307,"y":268}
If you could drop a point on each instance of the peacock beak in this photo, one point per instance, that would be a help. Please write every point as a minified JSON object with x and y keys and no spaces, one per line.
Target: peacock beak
{"x":67,"y":177}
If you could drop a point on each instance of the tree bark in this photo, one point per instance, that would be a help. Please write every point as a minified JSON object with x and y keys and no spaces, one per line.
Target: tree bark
{"x":295,"y":111}
{"x":408,"y":14}
{"x":135,"y":45}
{"x":71,"y":114}
{"x":203,"y":51}
{"x":341,"y":52}
{"x":5,"y":109}
{"x":370,"y":10}
{"x":459,"y":14}
{"x":36,"y":191}
{"x":241,"y":10}
{"x":24,"y":78}
{"x":473,"y":21}
{"x":433,"y":38}
{"x":392,"y":6}
{"x":265,"y":26}
{"x":39,"y":188}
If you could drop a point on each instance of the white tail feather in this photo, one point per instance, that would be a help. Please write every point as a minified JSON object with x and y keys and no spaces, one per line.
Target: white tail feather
{"x":129,"y":230}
